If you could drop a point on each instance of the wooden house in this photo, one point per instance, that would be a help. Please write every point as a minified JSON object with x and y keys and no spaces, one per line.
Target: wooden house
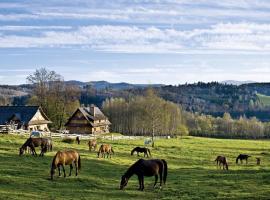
{"x":88,"y":120}
{"x":30,"y":118}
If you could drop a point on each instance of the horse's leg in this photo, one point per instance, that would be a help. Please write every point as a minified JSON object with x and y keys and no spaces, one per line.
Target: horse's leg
{"x":64,"y":170}
{"x":71,"y":167}
{"x":246,"y":161}
{"x":59,"y":170}
{"x":76,"y":166}
{"x":156,"y":179}
{"x":140,"y":182}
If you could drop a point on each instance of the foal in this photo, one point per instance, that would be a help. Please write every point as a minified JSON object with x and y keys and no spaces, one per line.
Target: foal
{"x":221,"y":160}
{"x":62,"y":158}
{"x":92,"y":144}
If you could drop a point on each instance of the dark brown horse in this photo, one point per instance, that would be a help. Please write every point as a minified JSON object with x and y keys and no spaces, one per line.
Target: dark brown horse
{"x":143,"y":168}
{"x":105,"y":148}
{"x":62,"y":158}
{"x":44,"y":143}
{"x":78,"y":140}
{"x":144,"y":150}
{"x":242,"y":157}
{"x":221,"y":160}
{"x":92,"y":144}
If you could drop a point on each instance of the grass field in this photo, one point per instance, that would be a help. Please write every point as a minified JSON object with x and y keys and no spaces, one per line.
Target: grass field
{"x":264,"y":99}
{"x":192,"y":172}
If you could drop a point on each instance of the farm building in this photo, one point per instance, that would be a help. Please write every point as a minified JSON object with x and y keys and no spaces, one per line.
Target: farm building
{"x":88,"y":120}
{"x":30,"y":118}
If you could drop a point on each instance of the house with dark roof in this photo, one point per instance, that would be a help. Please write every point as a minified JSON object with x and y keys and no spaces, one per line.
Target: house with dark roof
{"x":88,"y":120}
{"x":30,"y":118}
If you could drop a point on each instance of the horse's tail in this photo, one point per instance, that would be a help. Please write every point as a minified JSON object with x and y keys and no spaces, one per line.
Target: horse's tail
{"x":149,"y":152}
{"x":237,"y":160}
{"x":79,"y":162}
{"x":165,"y":171}
{"x":112,"y":150}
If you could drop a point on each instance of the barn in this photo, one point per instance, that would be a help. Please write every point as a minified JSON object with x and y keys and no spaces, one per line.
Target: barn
{"x":88,"y":120}
{"x":30,"y":118}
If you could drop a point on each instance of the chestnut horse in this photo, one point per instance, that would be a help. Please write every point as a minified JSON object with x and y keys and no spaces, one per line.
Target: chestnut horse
{"x":143,"y":168}
{"x":105,"y":148}
{"x":92,"y":144}
{"x":62,"y":158}
{"x":221,"y":160}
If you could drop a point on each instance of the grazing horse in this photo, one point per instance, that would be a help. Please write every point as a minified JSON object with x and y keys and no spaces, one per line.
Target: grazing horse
{"x":222,"y":160}
{"x":144,"y":150}
{"x":92,"y":144}
{"x":143,"y":168}
{"x":242,"y":157}
{"x":62,"y":158}
{"x":105,"y":148}
{"x":44,"y":143}
{"x":258,"y":161}
{"x":78,"y":140}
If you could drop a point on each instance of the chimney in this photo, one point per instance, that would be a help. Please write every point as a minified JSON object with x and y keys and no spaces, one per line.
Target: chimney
{"x":92,"y":109}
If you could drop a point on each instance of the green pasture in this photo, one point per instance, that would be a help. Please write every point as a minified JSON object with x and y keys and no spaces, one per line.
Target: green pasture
{"x":192,"y":172}
{"x":264,"y":99}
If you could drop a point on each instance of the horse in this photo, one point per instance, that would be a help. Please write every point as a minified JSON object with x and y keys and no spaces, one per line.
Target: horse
{"x":92,"y":144}
{"x":155,"y":167}
{"x":222,"y":160}
{"x":258,"y":161}
{"x":242,"y":157}
{"x":62,"y":158}
{"x":44,"y":143}
{"x":105,"y":148}
{"x":78,"y":140}
{"x":144,"y":150}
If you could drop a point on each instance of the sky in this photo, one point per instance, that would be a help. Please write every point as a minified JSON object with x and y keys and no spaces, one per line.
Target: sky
{"x":136,"y":41}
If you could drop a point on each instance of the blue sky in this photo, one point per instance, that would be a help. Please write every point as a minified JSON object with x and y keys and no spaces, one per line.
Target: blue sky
{"x":136,"y":41}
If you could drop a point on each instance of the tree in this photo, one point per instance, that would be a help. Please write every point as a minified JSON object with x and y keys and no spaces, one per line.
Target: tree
{"x":57,"y":99}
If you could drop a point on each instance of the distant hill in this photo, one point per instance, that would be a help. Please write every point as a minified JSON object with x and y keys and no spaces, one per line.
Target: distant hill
{"x":233,"y":82}
{"x":101,"y":85}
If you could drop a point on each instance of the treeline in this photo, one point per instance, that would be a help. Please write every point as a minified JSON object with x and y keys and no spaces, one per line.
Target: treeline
{"x":226,"y":127}
{"x":145,"y":115}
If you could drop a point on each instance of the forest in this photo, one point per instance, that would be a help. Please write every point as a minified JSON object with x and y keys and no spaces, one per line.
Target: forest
{"x":200,"y":109}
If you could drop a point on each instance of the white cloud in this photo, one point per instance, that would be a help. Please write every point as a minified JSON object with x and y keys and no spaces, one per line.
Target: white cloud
{"x":134,"y":39}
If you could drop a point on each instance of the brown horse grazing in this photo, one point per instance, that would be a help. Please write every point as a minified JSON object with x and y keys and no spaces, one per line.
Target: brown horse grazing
{"x":44,"y":143}
{"x":92,"y":144}
{"x":143,"y":168}
{"x":105,"y":148}
{"x":144,"y":150}
{"x":242,"y":157}
{"x":62,"y":158}
{"x":222,"y":160}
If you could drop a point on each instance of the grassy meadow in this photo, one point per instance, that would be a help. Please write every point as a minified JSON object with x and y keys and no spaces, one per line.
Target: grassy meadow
{"x":192,"y":172}
{"x":265,"y":100}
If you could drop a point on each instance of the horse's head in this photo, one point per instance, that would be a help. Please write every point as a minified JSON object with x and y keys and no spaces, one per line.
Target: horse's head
{"x":124,"y":182}
{"x":21,"y":151}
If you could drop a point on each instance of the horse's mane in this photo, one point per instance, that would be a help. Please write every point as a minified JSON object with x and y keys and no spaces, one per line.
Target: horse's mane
{"x":130,"y":170}
{"x":26,"y":143}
